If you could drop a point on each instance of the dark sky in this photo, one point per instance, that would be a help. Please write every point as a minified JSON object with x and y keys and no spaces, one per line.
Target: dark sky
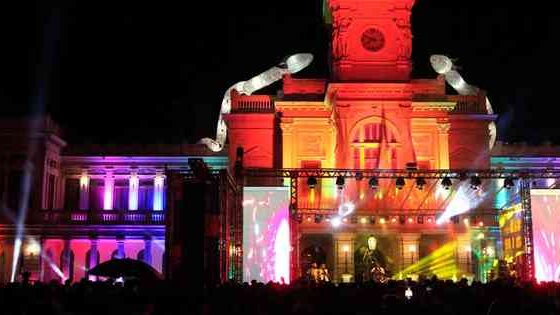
{"x":145,"y":71}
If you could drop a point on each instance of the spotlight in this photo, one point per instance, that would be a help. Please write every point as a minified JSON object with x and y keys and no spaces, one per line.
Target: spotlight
{"x":420,"y":219}
{"x":382,"y":221}
{"x":430,"y":220}
{"x":311,"y":182}
{"x":394,"y":220}
{"x":336,"y":222}
{"x":363,"y":220}
{"x":480,"y":223}
{"x":446,"y":182}
{"x":345,"y":219}
{"x":475,"y":182}
{"x":420,"y":182}
{"x":309,"y":219}
{"x":373,"y":183}
{"x":359,"y":176}
{"x":410,"y":220}
{"x":340,"y":182}
{"x":400,"y":182}
{"x":508,"y":182}
{"x":318,"y":218}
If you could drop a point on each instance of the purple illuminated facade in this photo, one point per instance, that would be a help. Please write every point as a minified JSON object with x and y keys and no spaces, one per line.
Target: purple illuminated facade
{"x":87,"y":204}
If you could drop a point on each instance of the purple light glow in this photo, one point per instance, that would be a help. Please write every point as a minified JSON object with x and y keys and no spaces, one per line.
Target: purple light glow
{"x":266,"y":241}
{"x":545,"y":208}
{"x":133,"y":184}
{"x":108,"y":193}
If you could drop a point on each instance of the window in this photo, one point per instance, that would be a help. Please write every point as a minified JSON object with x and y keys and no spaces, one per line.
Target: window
{"x":96,"y":193}
{"x":120,"y":195}
{"x":72,"y":194}
{"x":146,"y":194}
{"x":373,"y":146}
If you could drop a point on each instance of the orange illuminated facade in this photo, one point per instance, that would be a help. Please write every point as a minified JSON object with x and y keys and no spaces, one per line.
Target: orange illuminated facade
{"x":370,"y":114}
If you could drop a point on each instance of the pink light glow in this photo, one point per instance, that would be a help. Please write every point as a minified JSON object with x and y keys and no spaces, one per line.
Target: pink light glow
{"x":545,"y":208}
{"x":266,"y":234}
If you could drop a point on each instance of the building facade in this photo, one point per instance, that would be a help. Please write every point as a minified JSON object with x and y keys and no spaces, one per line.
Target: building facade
{"x":370,"y":115}
{"x":82,"y":205}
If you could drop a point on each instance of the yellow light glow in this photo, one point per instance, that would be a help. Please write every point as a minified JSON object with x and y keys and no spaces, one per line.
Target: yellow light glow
{"x":363,"y":220}
{"x":32,"y":248}
{"x":84,"y":181}
{"x":382,"y":220}
{"x":480,"y":236}
{"x":412,"y":248}
{"x":441,"y":262}
{"x":346,"y":248}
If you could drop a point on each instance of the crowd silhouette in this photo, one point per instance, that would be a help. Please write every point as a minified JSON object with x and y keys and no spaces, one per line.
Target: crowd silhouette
{"x":427,"y":296}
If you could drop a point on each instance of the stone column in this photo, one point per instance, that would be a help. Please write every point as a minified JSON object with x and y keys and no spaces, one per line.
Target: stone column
{"x":133,"y":186}
{"x":84,"y":191}
{"x":443,"y":141}
{"x":109,"y":190}
{"x":148,"y":250}
{"x":66,"y":260}
{"x":120,"y":248}
{"x":343,"y":257}
{"x":159,"y":182}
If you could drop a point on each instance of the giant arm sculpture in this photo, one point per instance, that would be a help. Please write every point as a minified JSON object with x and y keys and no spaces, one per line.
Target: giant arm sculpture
{"x":292,"y":64}
{"x":444,"y":65}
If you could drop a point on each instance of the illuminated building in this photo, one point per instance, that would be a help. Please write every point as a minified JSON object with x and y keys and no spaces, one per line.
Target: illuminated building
{"x":369,"y":115}
{"x":107,"y":200}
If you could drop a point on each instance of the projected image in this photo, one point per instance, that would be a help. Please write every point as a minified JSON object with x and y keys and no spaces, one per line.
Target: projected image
{"x":266,"y":234}
{"x":545,"y":206}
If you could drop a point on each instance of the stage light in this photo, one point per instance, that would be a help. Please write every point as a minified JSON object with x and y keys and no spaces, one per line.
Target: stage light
{"x":394,"y":220}
{"x":446,"y":182}
{"x":336,"y":222}
{"x":480,"y":236}
{"x":344,"y":219}
{"x":466,"y":222}
{"x":373,"y":183}
{"x":410,"y":220}
{"x":382,"y":221}
{"x":508,"y":182}
{"x":481,"y":223}
{"x":318,"y":218}
{"x":420,"y":219}
{"x":311,"y":182}
{"x":340,"y":182}
{"x":309,"y":219}
{"x":328,"y":219}
{"x":363,"y":220}
{"x":359,"y":176}
{"x":430,"y":220}
{"x":420,"y":183}
{"x":400,"y":182}
{"x":32,"y":248}
{"x":475,"y":182}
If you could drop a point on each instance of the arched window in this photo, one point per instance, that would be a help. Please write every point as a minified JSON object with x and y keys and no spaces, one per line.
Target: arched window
{"x":374,"y":146}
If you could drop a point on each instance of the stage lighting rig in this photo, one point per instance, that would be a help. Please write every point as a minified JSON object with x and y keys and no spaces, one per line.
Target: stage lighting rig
{"x":475,"y":182}
{"x":340,"y":182}
{"x":446,"y":182}
{"x":508,"y":182}
{"x":311,"y":182}
{"x":373,"y":183}
{"x":400,"y":182}
{"x":420,"y":183}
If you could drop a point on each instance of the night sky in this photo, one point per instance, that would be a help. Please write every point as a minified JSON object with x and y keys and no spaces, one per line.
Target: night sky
{"x":124,"y":71}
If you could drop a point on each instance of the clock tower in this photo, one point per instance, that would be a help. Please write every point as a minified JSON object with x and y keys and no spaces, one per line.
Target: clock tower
{"x":371,"y":40}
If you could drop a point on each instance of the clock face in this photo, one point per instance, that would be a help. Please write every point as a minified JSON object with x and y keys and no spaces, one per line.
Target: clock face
{"x":372,"y":39}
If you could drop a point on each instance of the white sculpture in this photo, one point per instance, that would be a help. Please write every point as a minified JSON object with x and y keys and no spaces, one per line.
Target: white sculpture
{"x":444,"y":65}
{"x":292,"y":64}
